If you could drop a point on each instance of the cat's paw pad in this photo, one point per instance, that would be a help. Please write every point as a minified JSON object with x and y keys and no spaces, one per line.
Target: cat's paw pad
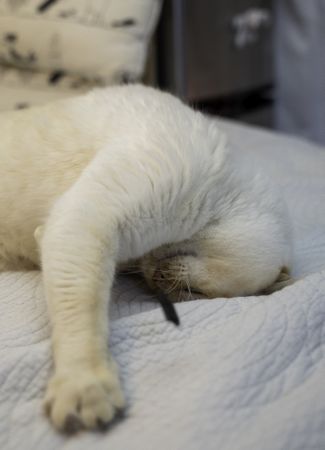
{"x":83,"y":399}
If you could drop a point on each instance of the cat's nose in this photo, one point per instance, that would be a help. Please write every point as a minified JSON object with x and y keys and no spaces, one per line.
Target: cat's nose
{"x":159,"y":275}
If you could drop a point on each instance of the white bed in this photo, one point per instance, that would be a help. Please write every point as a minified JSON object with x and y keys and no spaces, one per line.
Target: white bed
{"x":246,"y":373}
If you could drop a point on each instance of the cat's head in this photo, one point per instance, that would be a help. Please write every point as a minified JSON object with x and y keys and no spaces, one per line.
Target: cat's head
{"x":201,"y":267}
{"x":211,"y":265}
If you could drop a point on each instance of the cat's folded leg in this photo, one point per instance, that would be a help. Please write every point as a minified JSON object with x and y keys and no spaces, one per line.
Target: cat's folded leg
{"x":78,"y":251}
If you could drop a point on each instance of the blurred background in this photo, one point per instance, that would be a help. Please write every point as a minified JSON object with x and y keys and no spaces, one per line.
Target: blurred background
{"x":218,"y":55}
{"x":260,"y":62}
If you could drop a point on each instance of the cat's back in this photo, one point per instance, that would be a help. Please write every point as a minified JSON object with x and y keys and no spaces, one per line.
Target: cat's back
{"x":43,"y":150}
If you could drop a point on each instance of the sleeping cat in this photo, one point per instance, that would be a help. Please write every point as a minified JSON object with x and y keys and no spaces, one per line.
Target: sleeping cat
{"x":128,"y":175}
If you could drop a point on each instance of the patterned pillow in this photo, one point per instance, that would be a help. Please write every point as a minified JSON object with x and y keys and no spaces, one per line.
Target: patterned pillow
{"x":23,"y":88}
{"x":102,"y":40}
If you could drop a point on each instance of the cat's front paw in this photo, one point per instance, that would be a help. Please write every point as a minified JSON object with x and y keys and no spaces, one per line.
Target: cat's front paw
{"x":83,"y":398}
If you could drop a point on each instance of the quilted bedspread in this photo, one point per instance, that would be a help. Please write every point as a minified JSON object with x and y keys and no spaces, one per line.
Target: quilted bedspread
{"x":239,"y":374}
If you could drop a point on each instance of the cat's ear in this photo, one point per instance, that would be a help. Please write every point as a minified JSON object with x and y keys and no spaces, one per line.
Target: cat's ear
{"x":284,"y":279}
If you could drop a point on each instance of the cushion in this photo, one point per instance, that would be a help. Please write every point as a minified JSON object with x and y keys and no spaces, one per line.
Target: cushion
{"x":99,"y":39}
{"x":23,"y":88}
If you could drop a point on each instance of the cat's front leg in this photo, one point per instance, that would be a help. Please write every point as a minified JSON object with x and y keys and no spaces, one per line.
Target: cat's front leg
{"x":78,"y":252}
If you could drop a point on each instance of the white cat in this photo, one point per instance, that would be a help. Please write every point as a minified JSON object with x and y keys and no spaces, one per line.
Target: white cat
{"x":123,"y":174}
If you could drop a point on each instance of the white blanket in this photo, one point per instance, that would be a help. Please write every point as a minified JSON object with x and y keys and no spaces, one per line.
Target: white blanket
{"x":246,"y":373}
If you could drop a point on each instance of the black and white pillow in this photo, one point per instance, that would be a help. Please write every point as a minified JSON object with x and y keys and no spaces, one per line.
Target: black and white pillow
{"x":82,"y":41}
{"x":21,"y":88}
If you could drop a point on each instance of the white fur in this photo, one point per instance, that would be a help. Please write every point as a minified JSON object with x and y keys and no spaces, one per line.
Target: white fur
{"x":112,"y":176}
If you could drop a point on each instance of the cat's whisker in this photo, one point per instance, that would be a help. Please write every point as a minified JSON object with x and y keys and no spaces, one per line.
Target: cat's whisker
{"x":188,"y":288}
{"x":133,"y":272}
{"x":174,"y":286}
